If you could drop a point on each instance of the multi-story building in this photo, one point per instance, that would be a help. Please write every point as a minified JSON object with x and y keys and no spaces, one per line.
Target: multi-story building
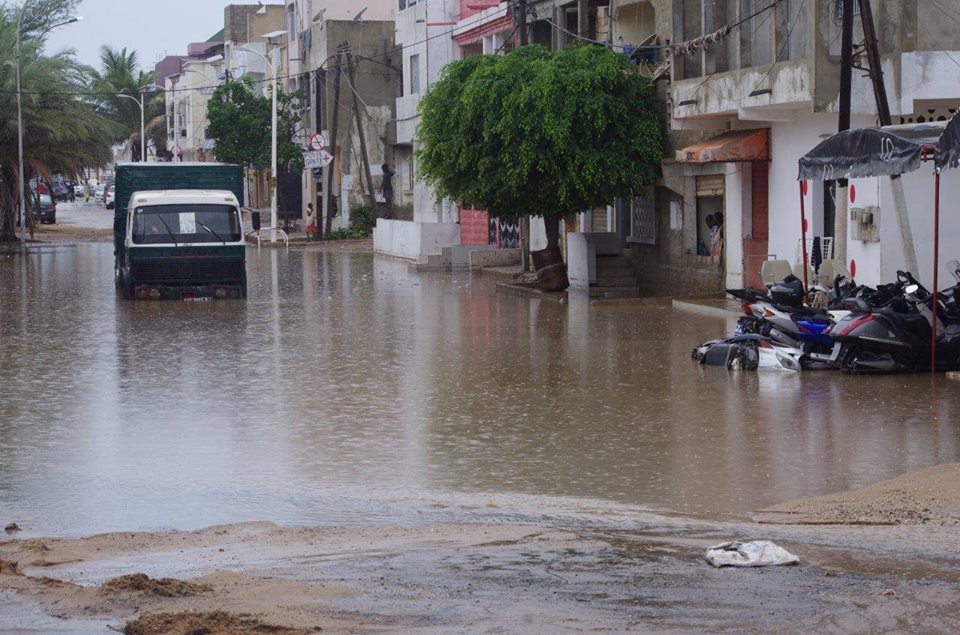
{"x":772,"y":83}
{"x":432,"y":34}
{"x":316,"y":32}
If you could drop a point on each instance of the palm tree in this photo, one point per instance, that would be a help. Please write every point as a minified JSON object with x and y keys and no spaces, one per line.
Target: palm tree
{"x":120,"y":74}
{"x":62,"y":132}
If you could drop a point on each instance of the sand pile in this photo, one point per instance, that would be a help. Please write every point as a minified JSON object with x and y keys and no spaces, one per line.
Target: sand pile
{"x":195,"y":623}
{"x":927,"y":496}
{"x":164,"y":587}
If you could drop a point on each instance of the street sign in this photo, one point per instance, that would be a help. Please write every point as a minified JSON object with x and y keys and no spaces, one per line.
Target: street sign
{"x":318,"y":159}
{"x":317,"y":142}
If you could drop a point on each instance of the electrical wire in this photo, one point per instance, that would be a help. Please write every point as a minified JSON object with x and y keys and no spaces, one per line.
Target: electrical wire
{"x":933,"y":37}
{"x":948,"y":12}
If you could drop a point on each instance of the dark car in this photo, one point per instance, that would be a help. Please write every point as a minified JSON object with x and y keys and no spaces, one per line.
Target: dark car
{"x":48,"y":210}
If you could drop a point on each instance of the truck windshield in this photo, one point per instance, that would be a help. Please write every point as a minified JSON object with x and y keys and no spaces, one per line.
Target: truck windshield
{"x":165,"y":224}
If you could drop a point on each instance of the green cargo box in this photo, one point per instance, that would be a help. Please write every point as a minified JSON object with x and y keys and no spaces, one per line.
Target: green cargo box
{"x":134,"y":177}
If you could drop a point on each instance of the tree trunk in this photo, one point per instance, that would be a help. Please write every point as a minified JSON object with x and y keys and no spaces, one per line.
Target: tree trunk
{"x":8,"y":207}
{"x":552,"y":228}
{"x":551,"y":270}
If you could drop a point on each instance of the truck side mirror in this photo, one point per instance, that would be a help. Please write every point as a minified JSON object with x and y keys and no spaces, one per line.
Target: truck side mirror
{"x":255,"y":219}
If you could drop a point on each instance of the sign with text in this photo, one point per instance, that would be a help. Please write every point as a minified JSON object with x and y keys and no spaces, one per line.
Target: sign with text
{"x":317,"y":159}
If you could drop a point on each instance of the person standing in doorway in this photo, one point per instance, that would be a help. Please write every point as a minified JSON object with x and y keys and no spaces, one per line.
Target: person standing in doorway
{"x":716,"y":235}
{"x":386,"y":188}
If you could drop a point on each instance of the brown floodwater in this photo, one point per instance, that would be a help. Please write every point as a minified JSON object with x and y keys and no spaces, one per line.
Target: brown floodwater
{"x":347,"y":389}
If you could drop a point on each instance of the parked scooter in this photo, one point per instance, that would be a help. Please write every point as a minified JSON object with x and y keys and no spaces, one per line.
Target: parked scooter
{"x":748,"y":352}
{"x":782,"y":317}
{"x":896,"y":336}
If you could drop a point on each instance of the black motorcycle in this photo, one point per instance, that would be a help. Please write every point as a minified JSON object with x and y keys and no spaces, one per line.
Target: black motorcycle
{"x":896,"y":336}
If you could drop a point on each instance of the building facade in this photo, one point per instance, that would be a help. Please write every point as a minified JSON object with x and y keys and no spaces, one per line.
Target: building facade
{"x":779,"y":72}
{"x":368,"y":80}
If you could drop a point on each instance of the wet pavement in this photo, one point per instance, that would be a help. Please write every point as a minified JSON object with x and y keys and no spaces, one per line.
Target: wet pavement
{"x":347,"y":390}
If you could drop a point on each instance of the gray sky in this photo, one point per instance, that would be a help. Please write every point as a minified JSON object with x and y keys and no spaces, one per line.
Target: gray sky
{"x":151,"y":27}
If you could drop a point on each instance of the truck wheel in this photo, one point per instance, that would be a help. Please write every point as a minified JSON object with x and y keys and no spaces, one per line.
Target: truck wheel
{"x":125,"y":284}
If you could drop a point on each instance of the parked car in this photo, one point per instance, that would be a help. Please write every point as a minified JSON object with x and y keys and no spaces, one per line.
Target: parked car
{"x":99,"y":192}
{"x":108,"y":197}
{"x":48,"y":210}
{"x":78,"y":190}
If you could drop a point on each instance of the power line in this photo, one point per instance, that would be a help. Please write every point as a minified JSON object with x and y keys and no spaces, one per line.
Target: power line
{"x":932,"y":36}
{"x":949,"y":13}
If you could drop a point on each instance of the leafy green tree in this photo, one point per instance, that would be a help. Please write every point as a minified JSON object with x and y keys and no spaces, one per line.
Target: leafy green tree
{"x":120,"y":74}
{"x":541,"y":133}
{"x":62,"y":132}
{"x":240,"y":126}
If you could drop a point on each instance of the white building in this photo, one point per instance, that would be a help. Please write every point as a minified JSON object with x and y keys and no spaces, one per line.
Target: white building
{"x":780,"y":72}
{"x":433,"y":34}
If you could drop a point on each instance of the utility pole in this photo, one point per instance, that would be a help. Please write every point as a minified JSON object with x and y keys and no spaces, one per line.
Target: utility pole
{"x":363,"y":139}
{"x":873,"y":58}
{"x":328,"y":195}
{"x":883,"y":114}
{"x":525,"y":220}
{"x":846,"y":76}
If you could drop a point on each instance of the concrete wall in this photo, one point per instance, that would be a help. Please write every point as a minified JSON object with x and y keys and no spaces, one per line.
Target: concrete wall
{"x":258,"y":25}
{"x":235,"y":21}
{"x":672,"y":266}
{"x":414,"y":241}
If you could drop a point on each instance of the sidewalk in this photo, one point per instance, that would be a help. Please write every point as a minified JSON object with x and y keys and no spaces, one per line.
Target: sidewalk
{"x":712,"y":306}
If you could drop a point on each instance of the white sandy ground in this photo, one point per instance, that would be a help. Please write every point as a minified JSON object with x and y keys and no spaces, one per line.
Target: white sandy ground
{"x":502,"y":577}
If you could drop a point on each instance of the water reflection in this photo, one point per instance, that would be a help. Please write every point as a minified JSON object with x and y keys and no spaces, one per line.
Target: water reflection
{"x":346,"y":383}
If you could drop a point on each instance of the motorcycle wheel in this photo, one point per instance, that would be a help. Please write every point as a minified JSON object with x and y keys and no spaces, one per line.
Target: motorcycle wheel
{"x":856,"y":361}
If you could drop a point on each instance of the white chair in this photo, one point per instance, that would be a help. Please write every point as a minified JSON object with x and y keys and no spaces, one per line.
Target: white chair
{"x":773,"y":271}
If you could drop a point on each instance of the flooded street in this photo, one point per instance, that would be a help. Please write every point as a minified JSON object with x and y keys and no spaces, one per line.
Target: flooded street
{"x":348,"y":390}
{"x":360,"y":448}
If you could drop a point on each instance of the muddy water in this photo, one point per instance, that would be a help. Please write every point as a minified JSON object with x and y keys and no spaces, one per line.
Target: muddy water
{"x":347,"y":389}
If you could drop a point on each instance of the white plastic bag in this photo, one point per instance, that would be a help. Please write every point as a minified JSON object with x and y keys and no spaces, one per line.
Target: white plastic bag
{"x":759,"y":553}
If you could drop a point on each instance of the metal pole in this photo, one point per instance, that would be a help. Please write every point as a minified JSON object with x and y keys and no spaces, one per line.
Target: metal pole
{"x":803,"y":232}
{"x":273,"y":154}
{"x":23,"y":212}
{"x":328,"y":186}
{"x":846,"y":73}
{"x":143,"y":138}
{"x":524,"y":221}
{"x":936,"y":262}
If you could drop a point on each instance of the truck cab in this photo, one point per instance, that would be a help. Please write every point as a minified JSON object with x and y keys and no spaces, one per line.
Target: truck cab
{"x":183,"y":244}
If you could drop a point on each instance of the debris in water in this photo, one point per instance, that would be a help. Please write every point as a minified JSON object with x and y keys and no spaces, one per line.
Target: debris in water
{"x":759,"y":553}
{"x":165,"y":587}
{"x":215,"y":622}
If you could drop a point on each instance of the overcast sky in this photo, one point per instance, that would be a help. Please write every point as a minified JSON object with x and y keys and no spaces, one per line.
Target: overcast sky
{"x":151,"y":27}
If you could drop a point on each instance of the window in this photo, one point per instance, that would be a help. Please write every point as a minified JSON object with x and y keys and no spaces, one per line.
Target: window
{"x":414,"y":74}
{"x":165,"y":224}
{"x":291,"y":21}
{"x":838,"y":9}
{"x":643,"y":218}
